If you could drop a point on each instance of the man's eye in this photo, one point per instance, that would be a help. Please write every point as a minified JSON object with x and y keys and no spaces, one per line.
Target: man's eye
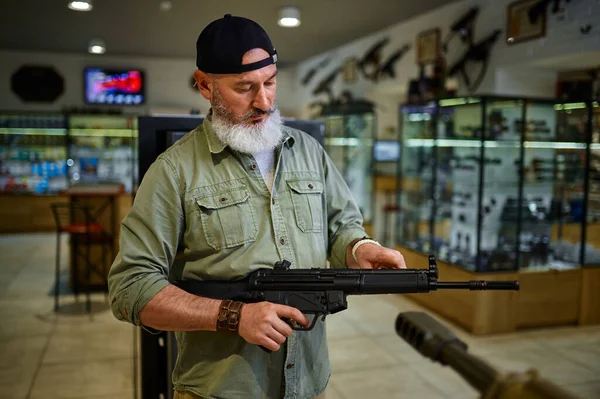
{"x":244,"y":90}
{"x":269,"y":83}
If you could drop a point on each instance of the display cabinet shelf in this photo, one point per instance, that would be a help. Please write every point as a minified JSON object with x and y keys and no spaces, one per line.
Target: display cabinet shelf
{"x":485,"y":191}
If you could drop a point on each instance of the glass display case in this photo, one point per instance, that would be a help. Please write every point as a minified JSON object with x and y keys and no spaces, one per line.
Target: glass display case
{"x":581,"y":115}
{"x":103,"y":149}
{"x":349,"y":137}
{"x":497,"y":183}
{"x":33,"y":155}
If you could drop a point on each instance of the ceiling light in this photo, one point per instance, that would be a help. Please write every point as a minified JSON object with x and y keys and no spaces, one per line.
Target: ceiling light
{"x":165,"y":5}
{"x":289,"y":17}
{"x":97,"y":47}
{"x":81,"y":5}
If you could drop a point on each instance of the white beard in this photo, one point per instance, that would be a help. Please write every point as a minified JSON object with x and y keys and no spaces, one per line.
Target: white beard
{"x":249,"y":139}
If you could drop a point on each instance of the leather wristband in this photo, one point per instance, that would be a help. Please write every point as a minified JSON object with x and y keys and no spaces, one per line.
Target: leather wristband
{"x":229,"y":316}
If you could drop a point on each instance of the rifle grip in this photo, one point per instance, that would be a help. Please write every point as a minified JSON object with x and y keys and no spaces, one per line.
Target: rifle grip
{"x":287,"y":320}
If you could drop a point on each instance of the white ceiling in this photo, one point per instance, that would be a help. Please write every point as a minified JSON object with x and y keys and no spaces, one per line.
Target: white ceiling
{"x":140,"y":28}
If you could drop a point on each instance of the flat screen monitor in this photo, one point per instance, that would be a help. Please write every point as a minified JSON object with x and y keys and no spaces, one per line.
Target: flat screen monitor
{"x":175,"y":136}
{"x":386,"y":151}
{"x":114,"y":86}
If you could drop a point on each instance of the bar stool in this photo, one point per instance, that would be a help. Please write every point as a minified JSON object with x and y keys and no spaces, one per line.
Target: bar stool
{"x":76,"y":220}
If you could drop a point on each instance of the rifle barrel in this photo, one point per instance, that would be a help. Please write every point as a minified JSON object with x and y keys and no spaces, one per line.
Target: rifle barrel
{"x":479,"y":285}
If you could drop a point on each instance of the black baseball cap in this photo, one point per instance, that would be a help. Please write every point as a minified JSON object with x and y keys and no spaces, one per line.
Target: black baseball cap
{"x":222,"y":44}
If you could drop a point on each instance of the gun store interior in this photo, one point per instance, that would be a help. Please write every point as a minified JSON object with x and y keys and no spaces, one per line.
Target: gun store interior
{"x":463,"y":135}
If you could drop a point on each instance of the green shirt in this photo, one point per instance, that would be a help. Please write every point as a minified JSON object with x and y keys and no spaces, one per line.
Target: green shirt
{"x":204,"y":211}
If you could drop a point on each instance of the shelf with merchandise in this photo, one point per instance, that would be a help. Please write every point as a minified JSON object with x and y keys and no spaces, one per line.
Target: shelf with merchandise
{"x":129,"y":133}
{"x":32,"y":153}
{"x":102,"y":149}
{"x":502,"y":152}
{"x":509,"y":187}
{"x":349,"y":142}
{"x":34,"y":131}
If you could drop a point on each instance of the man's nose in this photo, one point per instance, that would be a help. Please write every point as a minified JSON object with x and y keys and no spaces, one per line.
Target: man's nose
{"x":261,"y":100}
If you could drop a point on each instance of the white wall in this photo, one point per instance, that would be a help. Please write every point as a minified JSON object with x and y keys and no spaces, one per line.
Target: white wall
{"x":167,"y":89}
{"x":511,"y":68}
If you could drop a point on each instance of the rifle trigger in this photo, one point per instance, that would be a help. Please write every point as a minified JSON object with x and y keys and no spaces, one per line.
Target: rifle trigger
{"x":298,"y":327}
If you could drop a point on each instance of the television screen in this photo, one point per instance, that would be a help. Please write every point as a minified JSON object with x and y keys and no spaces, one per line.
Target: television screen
{"x":386,"y":151}
{"x":174,"y":136}
{"x":114,"y":86}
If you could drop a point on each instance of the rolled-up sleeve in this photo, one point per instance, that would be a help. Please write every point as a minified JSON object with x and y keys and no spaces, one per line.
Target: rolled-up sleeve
{"x":343,"y":215}
{"x":150,"y":235}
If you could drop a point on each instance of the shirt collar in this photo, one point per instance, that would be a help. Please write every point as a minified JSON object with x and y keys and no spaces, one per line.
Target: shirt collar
{"x":215,"y":145}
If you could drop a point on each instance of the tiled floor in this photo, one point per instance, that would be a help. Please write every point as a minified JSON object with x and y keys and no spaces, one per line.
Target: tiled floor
{"x":73,"y":355}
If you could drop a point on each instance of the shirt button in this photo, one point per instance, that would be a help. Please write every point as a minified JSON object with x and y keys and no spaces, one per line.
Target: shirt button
{"x":223,"y":199}
{"x":253,"y":166}
{"x":273,"y":201}
{"x":282,"y":241}
{"x":310,"y":186}
{"x":289,"y":366}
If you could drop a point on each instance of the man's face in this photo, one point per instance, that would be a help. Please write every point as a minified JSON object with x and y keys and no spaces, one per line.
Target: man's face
{"x":244,"y":115}
{"x":247,"y":98}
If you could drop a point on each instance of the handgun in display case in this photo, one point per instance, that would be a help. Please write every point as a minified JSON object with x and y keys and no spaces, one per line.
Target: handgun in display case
{"x":497,"y":183}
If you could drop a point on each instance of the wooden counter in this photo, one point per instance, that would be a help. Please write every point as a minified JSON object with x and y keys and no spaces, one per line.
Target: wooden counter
{"x":547,"y":298}
{"x":27,"y":213}
{"x":32,"y":213}
{"x":590,"y":296}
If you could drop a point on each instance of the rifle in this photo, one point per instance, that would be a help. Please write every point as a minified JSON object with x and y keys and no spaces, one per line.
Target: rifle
{"x":434,"y":341}
{"x":539,"y":9}
{"x":321,"y":292}
{"x":313,"y":71}
{"x":372,"y":57}
{"x":388,"y":66}
{"x":463,"y":27}
{"x":478,"y":52}
{"x":324,"y":86}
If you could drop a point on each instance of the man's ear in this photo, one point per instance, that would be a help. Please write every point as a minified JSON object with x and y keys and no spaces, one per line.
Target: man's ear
{"x":204,"y":83}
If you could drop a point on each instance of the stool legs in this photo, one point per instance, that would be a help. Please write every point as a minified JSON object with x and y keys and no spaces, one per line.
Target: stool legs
{"x":88,"y":276}
{"x":104,"y":274}
{"x":57,"y":272}
{"x":75,"y":269}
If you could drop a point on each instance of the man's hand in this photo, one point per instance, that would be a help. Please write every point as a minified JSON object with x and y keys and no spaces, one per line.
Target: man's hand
{"x":372,"y":256}
{"x":261,"y":323}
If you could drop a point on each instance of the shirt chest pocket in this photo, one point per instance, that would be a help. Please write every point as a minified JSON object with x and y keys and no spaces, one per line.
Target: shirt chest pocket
{"x":228,"y":219}
{"x":307,"y":203}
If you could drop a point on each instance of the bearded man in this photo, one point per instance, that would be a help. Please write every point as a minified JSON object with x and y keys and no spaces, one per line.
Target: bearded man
{"x":238,"y":193}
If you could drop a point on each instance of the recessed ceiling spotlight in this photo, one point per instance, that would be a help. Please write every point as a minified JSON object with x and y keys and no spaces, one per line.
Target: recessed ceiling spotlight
{"x":165,"y":5}
{"x":289,"y":17}
{"x":97,"y":47}
{"x":81,"y":5}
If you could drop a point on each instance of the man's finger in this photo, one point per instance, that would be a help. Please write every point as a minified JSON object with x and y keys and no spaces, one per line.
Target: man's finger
{"x":391,"y":259}
{"x":276,"y":336}
{"x":268,"y":343}
{"x":283,"y":327}
{"x":292,"y":313}
{"x":401,"y":260}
